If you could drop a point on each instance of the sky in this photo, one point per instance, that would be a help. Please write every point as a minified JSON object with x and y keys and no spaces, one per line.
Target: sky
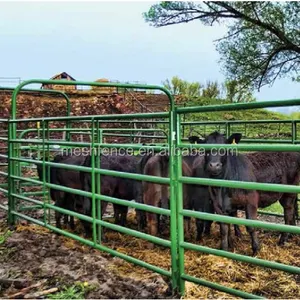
{"x":91,"y":40}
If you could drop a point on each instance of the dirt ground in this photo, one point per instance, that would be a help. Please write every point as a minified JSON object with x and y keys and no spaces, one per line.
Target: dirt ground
{"x":35,"y":255}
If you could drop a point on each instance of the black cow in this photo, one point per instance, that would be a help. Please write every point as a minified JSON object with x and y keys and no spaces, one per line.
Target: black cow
{"x":122,"y":188}
{"x":264,"y":167}
{"x":63,"y":177}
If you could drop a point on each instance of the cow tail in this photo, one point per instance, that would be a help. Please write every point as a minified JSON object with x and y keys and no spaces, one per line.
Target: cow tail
{"x":296,"y":208}
{"x":143,"y":161}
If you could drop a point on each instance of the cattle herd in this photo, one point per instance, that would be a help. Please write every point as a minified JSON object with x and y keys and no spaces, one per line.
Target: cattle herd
{"x":262,"y":167}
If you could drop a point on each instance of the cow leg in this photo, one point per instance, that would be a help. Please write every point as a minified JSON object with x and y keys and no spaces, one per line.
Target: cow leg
{"x":152,"y":221}
{"x":72,"y":223}
{"x":57,"y":219}
{"x":87,"y":229}
{"x":71,"y":206}
{"x":187,"y":227}
{"x":230,"y":240}
{"x":140,"y":219}
{"x":59,"y":202}
{"x":103,"y":210}
{"x":200,"y":226}
{"x":237,"y":230}
{"x":251,"y":213}
{"x":152,"y":196}
{"x":123,"y":218}
{"x":72,"y":203}
{"x":87,"y":225}
{"x":288,"y":203}
{"x":120,"y":213}
{"x":165,"y":201}
{"x":224,"y":229}
{"x":66,"y":219}
{"x":117,"y":213}
{"x":207,"y":227}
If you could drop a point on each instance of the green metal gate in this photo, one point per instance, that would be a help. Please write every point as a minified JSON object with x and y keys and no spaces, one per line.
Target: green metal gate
{"x":176,"y":243}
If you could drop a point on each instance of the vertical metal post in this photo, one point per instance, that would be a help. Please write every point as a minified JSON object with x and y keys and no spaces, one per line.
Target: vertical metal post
{"x":93,"y":189}
{"x":11,"y":172}
{"x":47,"y":135}
{"x":294,"y":132}
{"x":227,"y":129}
{"x":38,"y":126}
{"x":179,"y":201}
{"x":184,"y":118}
{"x":44,"y":172}
{"x":173,"y":197}
{"x":98,"y":179}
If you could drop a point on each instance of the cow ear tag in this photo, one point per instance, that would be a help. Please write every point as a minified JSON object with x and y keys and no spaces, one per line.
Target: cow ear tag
{"x":233,"y":142}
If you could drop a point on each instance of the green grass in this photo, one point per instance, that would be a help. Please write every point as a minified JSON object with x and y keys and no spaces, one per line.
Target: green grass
{"x":277,"y":208}
{"x":274,"y":208}
{"x":76,"y":291}
{"x":4,"y":236}
{"x":252,"y":130}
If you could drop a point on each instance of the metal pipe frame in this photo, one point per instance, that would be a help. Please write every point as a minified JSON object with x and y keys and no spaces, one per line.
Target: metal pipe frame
{"x":175,"y":180}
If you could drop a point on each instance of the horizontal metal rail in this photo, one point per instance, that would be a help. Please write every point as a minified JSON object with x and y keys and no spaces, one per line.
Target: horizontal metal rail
{"x":135,"y":176}
{"x":3,"y":174}
{"x":83,"y":144}
{"x":273,"y":187}
{"x":238,"y":122}
{"x":220,"y":287}
{"x":118,"y":228}
{"x":95,"y":117}
{"x":243,"y":258}
{"x":241,"y":147}
{"x":140,"y":206}
{"x":164,"y":180}
{"x":240,"y":221}
{"x":3,"y":191}
{"x":237,"y":106}
{"x":4,"y":207}
{"x":88,"y":130}
{"x":31,"y":207}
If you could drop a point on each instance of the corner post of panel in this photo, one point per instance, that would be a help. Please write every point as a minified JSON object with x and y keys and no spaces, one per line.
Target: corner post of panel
{"x":173,"y":193}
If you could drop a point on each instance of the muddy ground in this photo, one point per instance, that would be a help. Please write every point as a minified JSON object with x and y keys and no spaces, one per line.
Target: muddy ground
{"x":34,"y":255}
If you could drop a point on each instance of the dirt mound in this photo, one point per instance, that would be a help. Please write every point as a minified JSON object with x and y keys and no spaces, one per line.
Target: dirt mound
{"x":40,"y":255}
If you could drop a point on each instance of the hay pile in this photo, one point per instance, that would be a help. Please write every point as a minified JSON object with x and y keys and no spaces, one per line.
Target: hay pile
{"x":246,"y":277}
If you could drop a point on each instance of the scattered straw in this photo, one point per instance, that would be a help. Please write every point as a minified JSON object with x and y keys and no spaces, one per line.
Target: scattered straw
{"x":238,"y":275}
{"x":33,"y":228}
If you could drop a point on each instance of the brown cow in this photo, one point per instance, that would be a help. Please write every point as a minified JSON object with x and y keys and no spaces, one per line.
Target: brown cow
{"x":158,"y":194}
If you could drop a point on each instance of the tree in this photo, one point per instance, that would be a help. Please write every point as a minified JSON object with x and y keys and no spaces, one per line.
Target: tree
{"x":181,"y":87}
{"x":211,"y":90}
{"x":231,"y":90}
{"x":263,"y":39}
{"x":237,"y":92}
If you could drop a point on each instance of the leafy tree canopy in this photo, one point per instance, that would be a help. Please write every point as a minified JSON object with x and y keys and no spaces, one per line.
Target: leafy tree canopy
{"x":178,"y":86}
{"x":231,"y":90}
{"x":263,"y":39}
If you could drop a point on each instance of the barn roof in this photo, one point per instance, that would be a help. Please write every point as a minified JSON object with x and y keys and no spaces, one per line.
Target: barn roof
{"x":63,"y":74}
